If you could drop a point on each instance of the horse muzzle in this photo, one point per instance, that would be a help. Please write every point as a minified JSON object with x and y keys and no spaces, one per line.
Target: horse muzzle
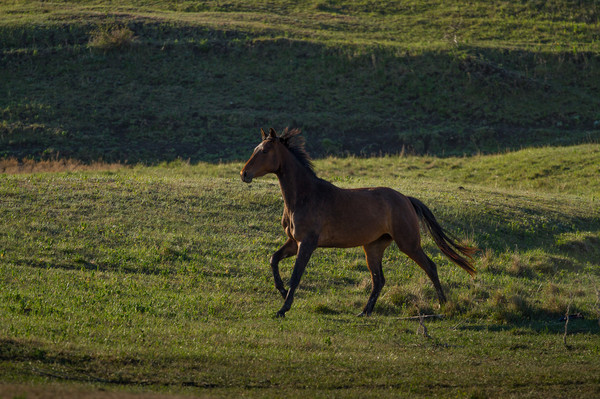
{"x":246,"y":176}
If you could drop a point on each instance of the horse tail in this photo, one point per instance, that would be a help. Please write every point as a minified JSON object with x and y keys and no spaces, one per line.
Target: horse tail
{"x":446,"y":244}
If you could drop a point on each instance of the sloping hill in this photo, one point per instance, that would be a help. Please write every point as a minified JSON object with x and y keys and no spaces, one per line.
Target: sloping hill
{"x":145,"y":81}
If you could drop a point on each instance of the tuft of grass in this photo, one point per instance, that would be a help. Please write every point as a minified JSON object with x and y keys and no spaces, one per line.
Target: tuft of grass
{"x":510,"y":306}
{"x":414,"y":299}
{"x":324,"y":309}
{"x":109,"y":38}
{"x":520,"y":267}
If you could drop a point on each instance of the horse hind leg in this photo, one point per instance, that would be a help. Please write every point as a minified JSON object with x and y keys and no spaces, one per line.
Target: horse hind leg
{"x":374,"y":254}
{"x":421,"y":258}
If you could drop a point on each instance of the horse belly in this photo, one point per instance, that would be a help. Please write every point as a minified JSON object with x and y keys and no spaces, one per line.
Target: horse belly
{"x":348,"y":242}
{"x":356,"y":227}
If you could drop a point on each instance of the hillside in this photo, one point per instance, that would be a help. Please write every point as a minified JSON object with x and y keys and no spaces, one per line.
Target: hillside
{"x":146,"y":81}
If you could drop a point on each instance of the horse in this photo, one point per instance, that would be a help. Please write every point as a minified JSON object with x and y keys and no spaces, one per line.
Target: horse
{"x":319,"y":214}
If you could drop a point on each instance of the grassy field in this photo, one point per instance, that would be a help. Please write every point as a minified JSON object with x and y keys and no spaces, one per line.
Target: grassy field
{"x":156,"y":279}
{"x":150,"y":81}
{"x":133,"y":260}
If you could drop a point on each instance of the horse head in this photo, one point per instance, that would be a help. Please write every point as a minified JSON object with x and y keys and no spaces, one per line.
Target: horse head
{"x":265,"y":158}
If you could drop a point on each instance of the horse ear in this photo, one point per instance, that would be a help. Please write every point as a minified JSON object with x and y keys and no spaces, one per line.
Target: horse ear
{"x":272,"y":133}
{"x":263,"y":134}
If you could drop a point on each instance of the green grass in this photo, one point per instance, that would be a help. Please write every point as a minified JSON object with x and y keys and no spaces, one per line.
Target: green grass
{"x":197,"y":79}
{"x":130,"y":278}
{"x":157,"y":279}
{"x":567,"y":170}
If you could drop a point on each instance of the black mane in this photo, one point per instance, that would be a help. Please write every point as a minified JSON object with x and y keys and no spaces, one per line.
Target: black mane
{"x":294,"y":142}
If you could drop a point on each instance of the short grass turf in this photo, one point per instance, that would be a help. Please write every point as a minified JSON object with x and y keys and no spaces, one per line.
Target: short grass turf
{"x":157,"y":280}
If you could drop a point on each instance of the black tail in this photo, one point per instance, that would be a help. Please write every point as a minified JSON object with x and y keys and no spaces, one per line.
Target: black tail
{"x":446,"y":244}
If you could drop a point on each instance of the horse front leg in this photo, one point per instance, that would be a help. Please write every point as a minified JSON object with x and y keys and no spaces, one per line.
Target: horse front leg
{"x":305,"y":250}
{"x":290,"y":248}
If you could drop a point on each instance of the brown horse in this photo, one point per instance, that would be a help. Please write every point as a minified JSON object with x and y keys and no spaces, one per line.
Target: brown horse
{"x":319,"y":214}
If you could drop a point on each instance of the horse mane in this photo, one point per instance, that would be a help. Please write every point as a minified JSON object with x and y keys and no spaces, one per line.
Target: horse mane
{"x":294,"y":142}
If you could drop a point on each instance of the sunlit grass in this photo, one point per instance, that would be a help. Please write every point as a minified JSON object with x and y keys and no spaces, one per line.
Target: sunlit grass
{"x":158,"y":277}
{"x":109,"y":38}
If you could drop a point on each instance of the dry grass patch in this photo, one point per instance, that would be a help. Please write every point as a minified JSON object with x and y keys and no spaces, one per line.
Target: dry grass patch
{"x":111,"y":38}
{"x":14,"y":166}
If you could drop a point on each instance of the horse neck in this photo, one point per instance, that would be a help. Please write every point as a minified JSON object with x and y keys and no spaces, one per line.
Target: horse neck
{"x":296,"y":182}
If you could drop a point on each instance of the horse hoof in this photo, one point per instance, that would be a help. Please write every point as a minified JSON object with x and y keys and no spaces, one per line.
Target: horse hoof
{"x":363,"y":314}
{"x":280,"y":315}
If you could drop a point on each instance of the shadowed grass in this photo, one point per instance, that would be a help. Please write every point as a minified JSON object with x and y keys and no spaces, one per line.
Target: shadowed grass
{"x":200,"y":78}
